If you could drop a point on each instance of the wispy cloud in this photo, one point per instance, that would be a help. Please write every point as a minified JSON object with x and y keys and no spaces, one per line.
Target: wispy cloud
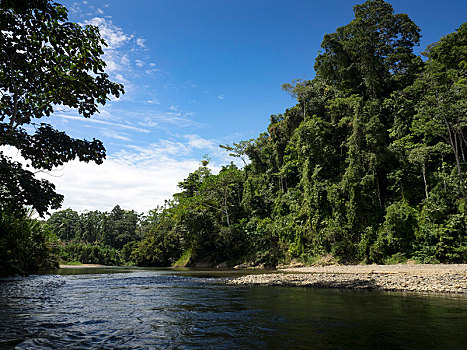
{"x":140,"y":42}
{"x":181,"y":147}
{"x":113,"y":35}
{"x":148,"y":123}
{"x":154,"y":70}
{"x":121,"y":79}
{"x":115,"y":135}
{"x":153,"y":102}
{"x":120,"y":51}
{"x":198,"y":142}
{"x":178,"y":119}
{"x":105,"y":122}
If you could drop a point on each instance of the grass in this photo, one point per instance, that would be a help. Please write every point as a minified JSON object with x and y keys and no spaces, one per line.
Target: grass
{"x":74,"y":262}
{"x":183,"y":260}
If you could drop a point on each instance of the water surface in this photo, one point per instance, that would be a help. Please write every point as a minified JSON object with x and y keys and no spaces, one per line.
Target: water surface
{"x":166,"y":309}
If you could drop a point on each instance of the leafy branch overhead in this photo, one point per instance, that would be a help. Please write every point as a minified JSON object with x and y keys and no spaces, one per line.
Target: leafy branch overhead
{"x":47,"y":62}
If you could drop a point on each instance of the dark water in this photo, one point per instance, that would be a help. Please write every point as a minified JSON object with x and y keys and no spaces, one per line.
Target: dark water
{"x":151,"y":309}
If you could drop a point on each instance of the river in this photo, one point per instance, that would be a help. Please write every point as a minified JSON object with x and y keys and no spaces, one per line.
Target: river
{"x":136,"y":308}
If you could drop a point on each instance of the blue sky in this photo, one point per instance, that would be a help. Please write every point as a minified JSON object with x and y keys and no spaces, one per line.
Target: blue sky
{"x":198,"y":74}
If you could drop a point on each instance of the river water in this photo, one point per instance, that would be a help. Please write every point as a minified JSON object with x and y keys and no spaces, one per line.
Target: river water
{"x":166,"y":309}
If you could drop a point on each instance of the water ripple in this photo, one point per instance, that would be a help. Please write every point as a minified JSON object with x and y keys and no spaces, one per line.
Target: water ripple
{"x":161,"y":310}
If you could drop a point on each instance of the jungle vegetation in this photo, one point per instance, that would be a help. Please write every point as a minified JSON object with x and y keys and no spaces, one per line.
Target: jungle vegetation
{"x":368,"y":166}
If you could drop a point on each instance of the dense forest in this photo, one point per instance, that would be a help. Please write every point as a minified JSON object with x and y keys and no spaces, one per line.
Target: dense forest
{"x":369,"y":166}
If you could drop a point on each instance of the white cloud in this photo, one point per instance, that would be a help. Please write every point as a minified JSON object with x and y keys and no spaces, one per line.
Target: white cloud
{"x":98,"y":121}
{"x":120,"y":181}
{"x":176,"y":114}
{"x":139,"y":177}
{"x":176,"y":119}
{"x":153,"y":102}
{"x":198,"y":142}
{"x":75,"y":8}
{"x":120,"y":78}
{"x":162,"y":148}
{"x":148,"y":122}
{"x":115,"y":135}
{"x":125,"y":60}
{"x":151,"y":71}
{"x":119,"y":47}
{"x":140,"y":42}
{"x":113,"y":35}
{"x":220,"y":97}
{"x":99,"y":11}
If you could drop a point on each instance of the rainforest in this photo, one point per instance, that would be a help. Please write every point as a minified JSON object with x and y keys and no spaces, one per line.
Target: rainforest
{"x":368,"y":166}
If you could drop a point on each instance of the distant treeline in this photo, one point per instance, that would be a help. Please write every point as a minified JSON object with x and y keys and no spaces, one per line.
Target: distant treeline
{"x":95,"y":237}
{"x":91,"y":237}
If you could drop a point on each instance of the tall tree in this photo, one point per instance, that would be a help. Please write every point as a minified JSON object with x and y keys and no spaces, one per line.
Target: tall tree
{"x":373,"y":53}
{"x":45,"y":61}
{"x":442,"y":108}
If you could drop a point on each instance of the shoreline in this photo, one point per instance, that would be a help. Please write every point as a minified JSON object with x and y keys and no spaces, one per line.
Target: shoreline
{"x":81,"y":266}
{"x":419,"y":278}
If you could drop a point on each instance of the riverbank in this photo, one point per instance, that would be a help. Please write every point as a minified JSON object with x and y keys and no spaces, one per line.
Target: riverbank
{"x":81,"y":266}
{"x":422,"y":278}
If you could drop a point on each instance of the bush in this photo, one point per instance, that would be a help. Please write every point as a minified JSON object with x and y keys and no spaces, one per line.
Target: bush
{"x":26,"y":245}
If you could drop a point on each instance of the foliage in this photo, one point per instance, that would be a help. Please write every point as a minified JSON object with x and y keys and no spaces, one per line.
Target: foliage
{"x":45,"y":61}
{"x":372,"y":54}
{"x":26,"y":245}
{"x":87,"y":253}
{"x":97,"y":237}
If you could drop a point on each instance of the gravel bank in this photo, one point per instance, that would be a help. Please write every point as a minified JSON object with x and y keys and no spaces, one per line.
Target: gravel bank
{"x":81,"y":266}
{"x":413,"y":278}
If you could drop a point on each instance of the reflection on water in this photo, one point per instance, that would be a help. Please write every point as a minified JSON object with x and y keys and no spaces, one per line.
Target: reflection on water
{"x":166,"y":309}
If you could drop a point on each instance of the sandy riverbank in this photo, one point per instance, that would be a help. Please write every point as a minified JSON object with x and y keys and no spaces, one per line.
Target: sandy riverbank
{"x":414,"y":278}
{"x":81,"y":266}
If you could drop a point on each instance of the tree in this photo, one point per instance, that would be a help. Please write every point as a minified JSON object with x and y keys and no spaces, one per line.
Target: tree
{"x":238,"y":150}
{"x":65,"y":224}
{"x":373,"y":53}
{"x":442,"y":109}
{"x":45,"y":62}
{"x":120,"y":227}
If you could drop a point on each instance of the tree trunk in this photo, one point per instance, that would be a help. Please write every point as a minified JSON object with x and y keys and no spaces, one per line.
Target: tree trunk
{"x":454,"y":146}
{"x":424,"y":180}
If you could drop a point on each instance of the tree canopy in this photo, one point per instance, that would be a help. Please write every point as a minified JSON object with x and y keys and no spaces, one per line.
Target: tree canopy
{"x":372,"y":54}
{"x":45,"y":62}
